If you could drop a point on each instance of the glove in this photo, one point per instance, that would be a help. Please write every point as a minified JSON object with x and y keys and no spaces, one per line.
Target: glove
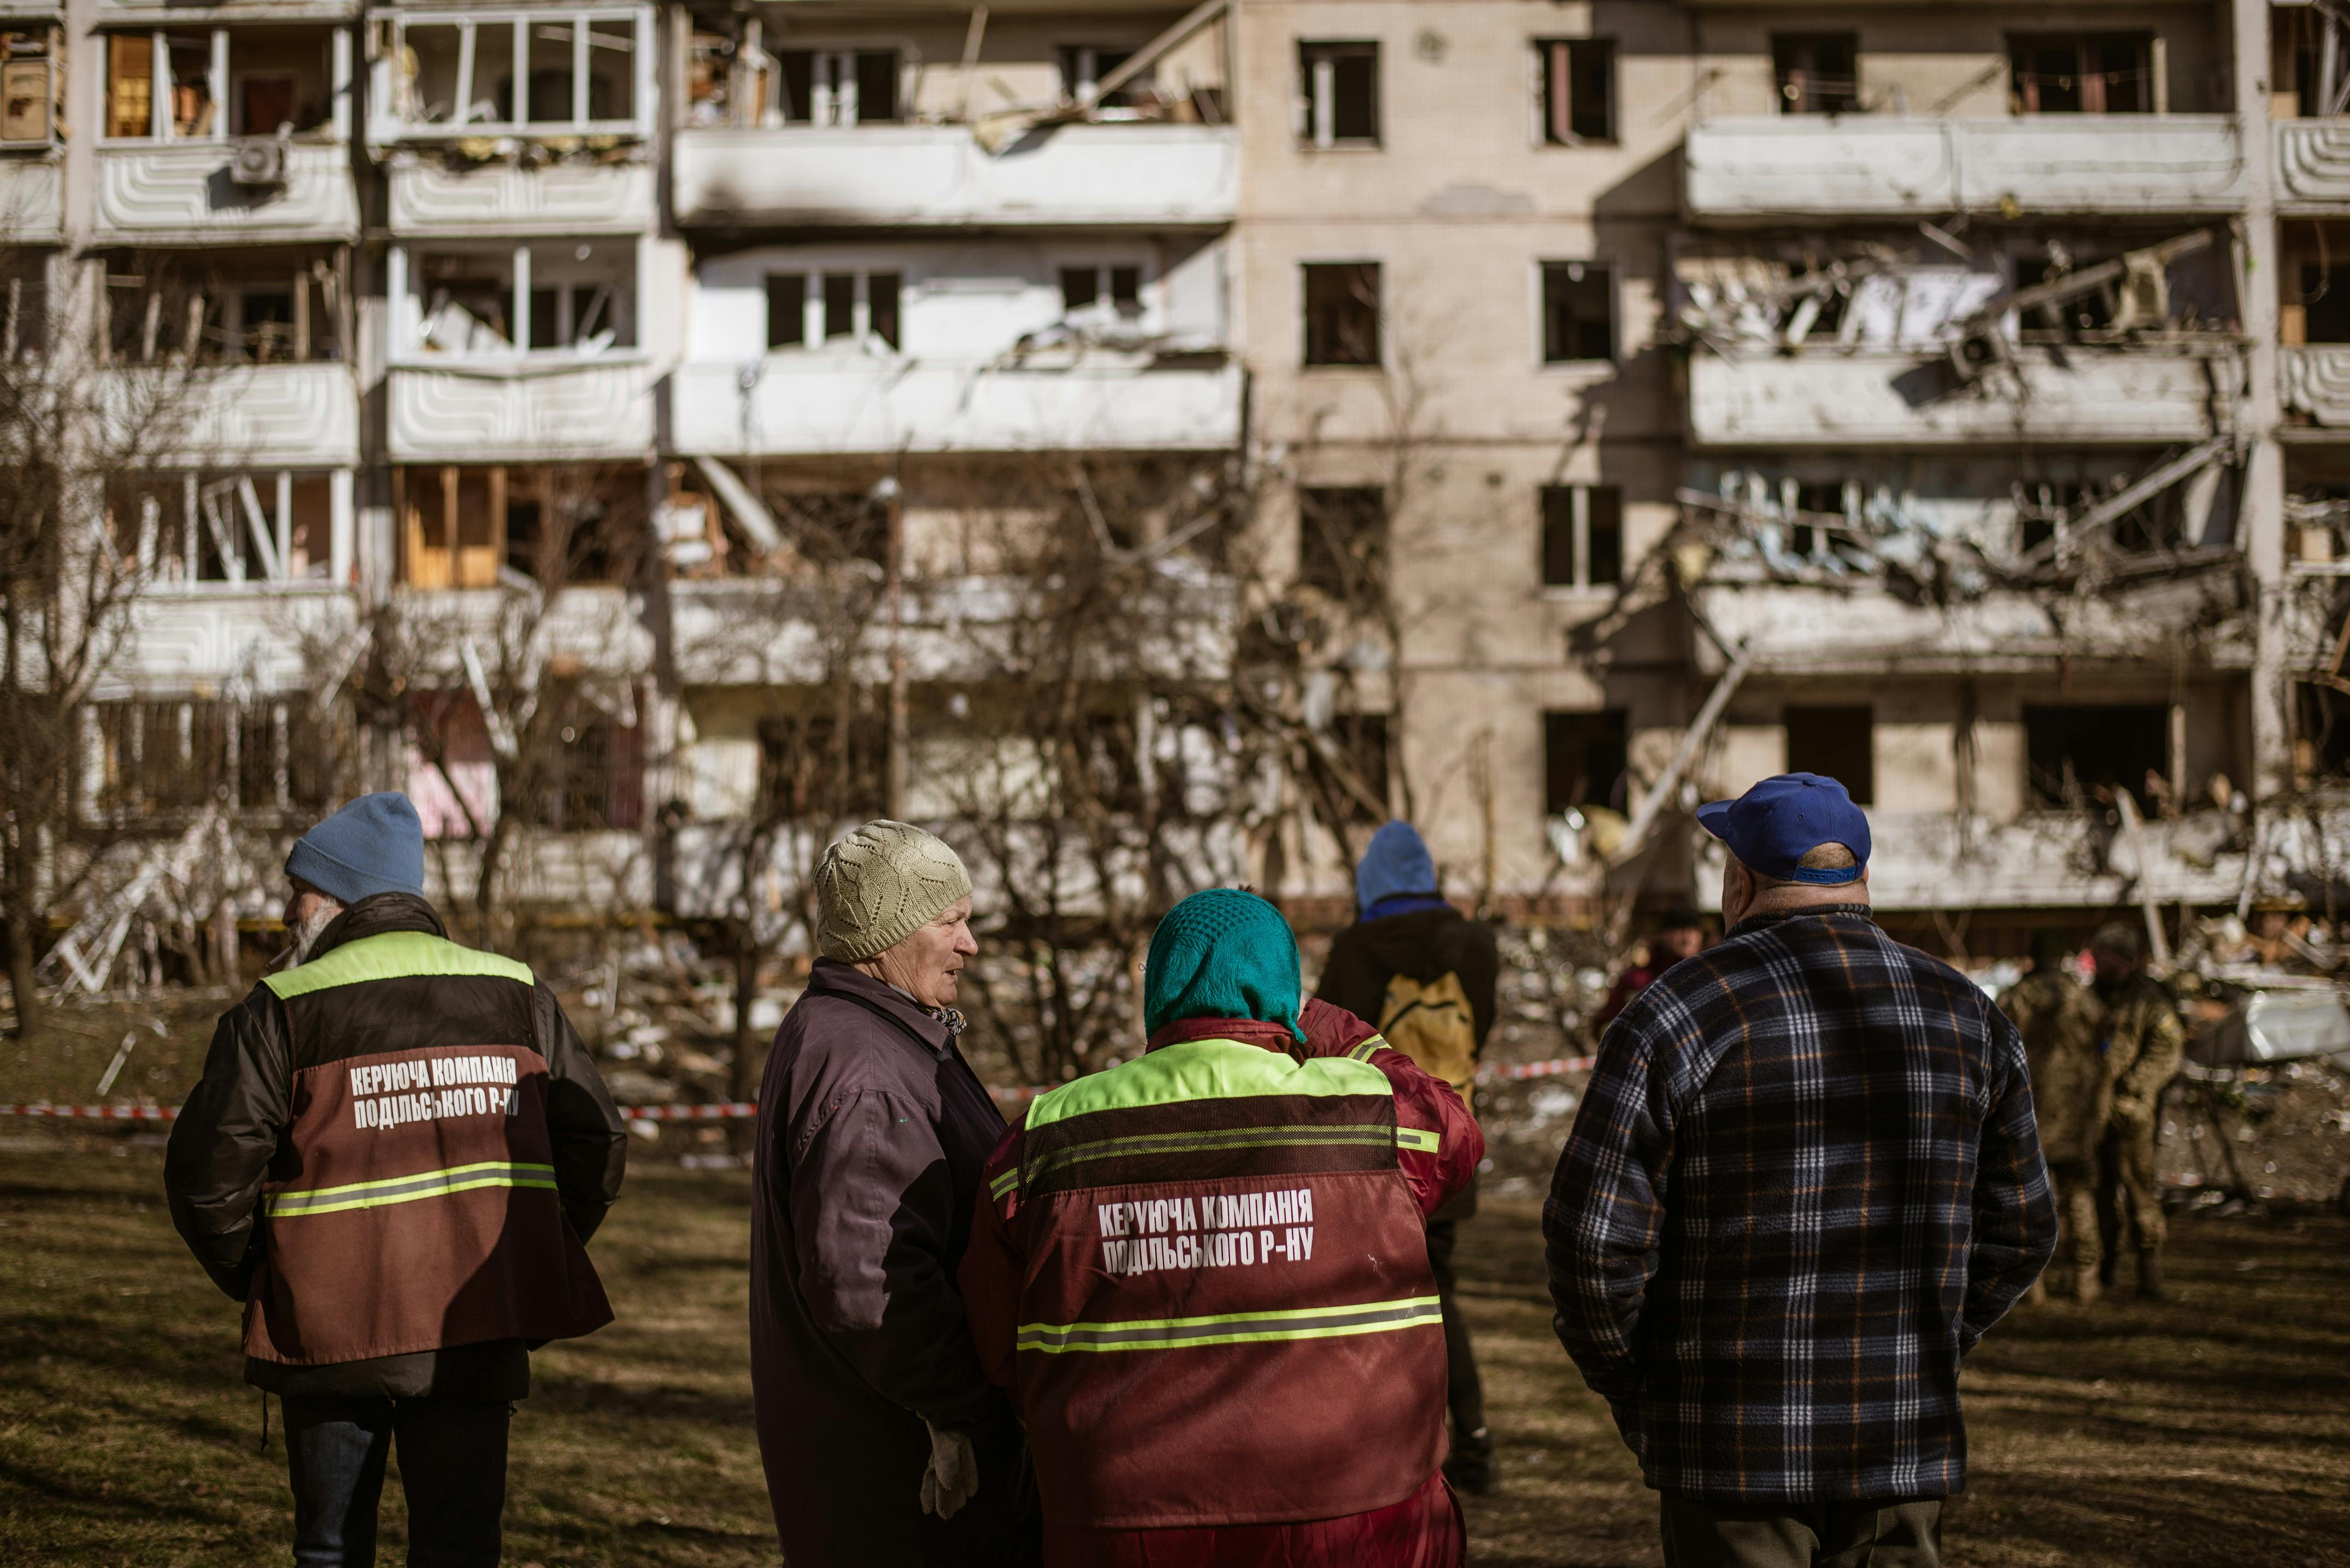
{"x":953,"y":1475}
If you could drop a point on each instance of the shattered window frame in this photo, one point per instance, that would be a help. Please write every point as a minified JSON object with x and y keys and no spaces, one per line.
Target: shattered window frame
{"x":402,"y":112}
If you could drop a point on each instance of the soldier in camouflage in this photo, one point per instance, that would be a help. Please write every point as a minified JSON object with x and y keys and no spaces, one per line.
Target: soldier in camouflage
{"x":2144,"y":1042}
{"x":2063,"y":1024}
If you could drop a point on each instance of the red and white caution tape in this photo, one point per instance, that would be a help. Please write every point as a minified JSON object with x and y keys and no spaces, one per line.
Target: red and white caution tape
{"x":733,"y":1110}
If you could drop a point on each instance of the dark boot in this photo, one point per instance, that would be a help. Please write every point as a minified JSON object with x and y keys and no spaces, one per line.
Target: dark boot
{"x":1470,"y":1467}
{"x":2149,"y":1274}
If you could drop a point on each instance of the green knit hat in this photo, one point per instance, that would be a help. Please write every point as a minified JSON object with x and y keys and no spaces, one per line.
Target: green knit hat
{"x":1223,"y":953}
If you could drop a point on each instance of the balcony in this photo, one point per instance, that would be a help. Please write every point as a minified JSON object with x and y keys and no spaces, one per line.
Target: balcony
{"x":2089,"y":397}
{"x":430,"y":200}
{"x":922,"y":176}
{"x":211,"y":631}
{"x":180,"y":193}
{"x":2313,"y":166}
{"x":819,"y":403}
{"x":246,"y":416}
{"x":32,"y":199}
{"x":1873,"y":166}
{"x":522,"y":410}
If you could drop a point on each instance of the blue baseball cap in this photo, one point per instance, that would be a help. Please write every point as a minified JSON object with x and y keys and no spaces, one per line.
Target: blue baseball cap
{"x":1784,"y":819}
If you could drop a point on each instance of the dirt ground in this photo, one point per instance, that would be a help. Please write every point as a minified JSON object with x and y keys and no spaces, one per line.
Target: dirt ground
{"x":2212,"y":1429}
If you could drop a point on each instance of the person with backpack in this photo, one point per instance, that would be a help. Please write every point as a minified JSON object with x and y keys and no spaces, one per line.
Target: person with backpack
{"x":1424,"y":973}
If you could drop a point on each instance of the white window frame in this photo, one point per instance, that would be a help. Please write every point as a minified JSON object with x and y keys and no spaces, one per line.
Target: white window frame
{"x":56,"y":80}
{"x":1317,"y":108}
{"x":218,"y":80}
{"x":388,"y":37}
{"x":860,"y":337}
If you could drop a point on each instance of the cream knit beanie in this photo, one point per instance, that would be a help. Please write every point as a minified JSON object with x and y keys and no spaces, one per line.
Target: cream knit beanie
{"x":881,"y":883}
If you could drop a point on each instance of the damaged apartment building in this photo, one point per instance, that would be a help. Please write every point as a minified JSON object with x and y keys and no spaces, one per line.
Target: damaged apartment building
{"x":1635,"y":399}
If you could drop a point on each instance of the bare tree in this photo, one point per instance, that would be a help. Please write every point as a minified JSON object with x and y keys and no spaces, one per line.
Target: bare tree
{"x":76,"y":551}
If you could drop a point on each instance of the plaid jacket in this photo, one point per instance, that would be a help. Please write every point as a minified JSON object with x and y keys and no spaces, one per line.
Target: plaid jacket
{"x":1803,"y":1181}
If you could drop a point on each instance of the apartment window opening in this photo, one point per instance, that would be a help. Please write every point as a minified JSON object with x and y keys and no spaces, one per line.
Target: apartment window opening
{"x":788,"y":299}
{"x":2079,"y":750}
{"x":1338,"y":91}
{"x":856,"y":87}
{"x":1341,"y":313}
{"x":1113,"y":291}
{"x":1577,"y":88}
{"x":1084,"y":66}
{"x":1342,"y":540}
{"x":1586,"y":758}
{"x":1583,"y":536}
{"x":2092,"y":74}
{"x":570,"y":70}
{"x":1579,"y":312}
{"x":29,"y":87}
{"x":1837,"y":743}
{"x":1816,"y":73}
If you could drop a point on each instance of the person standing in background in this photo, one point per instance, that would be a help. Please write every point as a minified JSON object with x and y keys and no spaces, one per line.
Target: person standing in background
{"x":1424,"y":973}
{"x":1679,"y":935}
{"x":2144,"y":1044}
{"x":2063,"y":1024}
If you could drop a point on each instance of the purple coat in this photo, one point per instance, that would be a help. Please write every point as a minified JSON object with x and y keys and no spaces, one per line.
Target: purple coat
{"x":872,"y":1133}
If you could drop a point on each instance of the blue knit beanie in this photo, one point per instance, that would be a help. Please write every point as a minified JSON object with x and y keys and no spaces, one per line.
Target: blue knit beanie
{"x":1223,"y":953}
{"x":1398,"y":861}
{"x":374,"y":845}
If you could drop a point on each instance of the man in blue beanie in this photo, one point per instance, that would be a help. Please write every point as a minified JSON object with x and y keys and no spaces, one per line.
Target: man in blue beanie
{"x":396,"y":1155}
{"x":1424,"y":973}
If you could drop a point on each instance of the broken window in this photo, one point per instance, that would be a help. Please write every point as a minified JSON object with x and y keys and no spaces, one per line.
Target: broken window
{"x":1578,"y":89}
{"x":1584,"y":758}
{"x":30,"y":86}
{"x":1836,"y":742}
{"x":1342,"y":540}
{"x":2076,"y":750}
{"x":1816,"y":73}
{"x":1338,"y":94}
{"x":173,"y":756}
{"x":263,"y":306}
{"x":483,"y":301}
{"x":462,"y":527}
{"x":860,"y":308}
{"x":1083,"y":66}
{"x":1086,"y":291}
{"x":1578,"y":311}
{"x":224,"y":528}
{"x":813,"y":766}
{"x":556,"y":69}
{"x":1341,"y":313}
{"x":2092,"y":74}
{"x":1583,"y":536}
{"x":839,"y":87}
{"x":1815,"y":499}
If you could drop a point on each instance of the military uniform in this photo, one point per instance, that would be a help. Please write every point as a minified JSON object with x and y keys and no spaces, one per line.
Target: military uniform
{"x":2063,"y":1025}
{"x":2144,"y":1042}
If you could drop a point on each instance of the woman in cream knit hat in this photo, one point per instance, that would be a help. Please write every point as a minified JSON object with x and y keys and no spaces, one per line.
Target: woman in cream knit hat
{"x":884,"y":1443}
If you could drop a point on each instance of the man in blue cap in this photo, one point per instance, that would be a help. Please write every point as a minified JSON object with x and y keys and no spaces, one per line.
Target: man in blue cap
{"x":1805,"y":1180}
{"x":394,"y":1160}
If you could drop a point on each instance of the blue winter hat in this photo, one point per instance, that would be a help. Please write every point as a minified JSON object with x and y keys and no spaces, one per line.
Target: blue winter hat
{"x":374,"y":845}
{"x":1398,"y":861}
{"x":1223,"y":953}
{"x":1784,"y":819}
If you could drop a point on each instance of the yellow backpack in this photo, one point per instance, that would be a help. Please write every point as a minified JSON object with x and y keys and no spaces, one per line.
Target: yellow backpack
{"x":1432,"y":1024}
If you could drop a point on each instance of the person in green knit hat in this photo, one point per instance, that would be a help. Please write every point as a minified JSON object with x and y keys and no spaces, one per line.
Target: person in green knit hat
{"x":1203,"y":1274}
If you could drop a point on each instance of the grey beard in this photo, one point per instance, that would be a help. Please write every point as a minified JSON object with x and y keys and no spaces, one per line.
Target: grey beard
{"x":310,"y":927}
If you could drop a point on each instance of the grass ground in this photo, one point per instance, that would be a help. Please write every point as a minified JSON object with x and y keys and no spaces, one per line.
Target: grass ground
{"x":2214,"y":1428}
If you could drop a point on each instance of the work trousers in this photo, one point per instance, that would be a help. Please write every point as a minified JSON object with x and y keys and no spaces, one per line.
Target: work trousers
{"x":2129,"y":1203}
{"x":2079,"y":1241}
{"x":1464,"y":1391}
{"x":452,"y":1465}
{"x":1700,"y":1534}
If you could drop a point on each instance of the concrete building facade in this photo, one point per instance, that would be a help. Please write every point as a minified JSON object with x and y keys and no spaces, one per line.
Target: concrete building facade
{"x":1642,"y":399}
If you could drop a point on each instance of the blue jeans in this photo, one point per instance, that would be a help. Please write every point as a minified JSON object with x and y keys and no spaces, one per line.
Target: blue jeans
{"x":452,"y":1465}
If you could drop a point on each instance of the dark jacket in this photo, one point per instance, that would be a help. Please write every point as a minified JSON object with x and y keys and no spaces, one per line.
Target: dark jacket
{"x":872,"y":1133}
{"x":394,"y":1155}
{"x":1204,"y":1274}
{"x":1802,"y":1182}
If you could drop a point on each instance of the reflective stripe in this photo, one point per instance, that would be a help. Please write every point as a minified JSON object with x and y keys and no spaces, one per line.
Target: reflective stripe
{"x":1192,"y":1070}
{"x":407,"y":1188}
{"x":1230,"y":1328}
{"x":395,"y":955}
{"x":1420,"y":1139}
{"x":1202,"y":1141}
{"x":1363,"y":1052}
{"x":1004,"y":1183}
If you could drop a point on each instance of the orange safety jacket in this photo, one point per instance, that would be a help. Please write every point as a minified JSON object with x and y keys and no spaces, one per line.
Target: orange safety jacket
{"x":1204,"y":1276}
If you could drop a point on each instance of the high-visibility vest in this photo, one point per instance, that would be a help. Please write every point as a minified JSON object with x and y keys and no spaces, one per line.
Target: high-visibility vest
{"x":412,"y":1205}
{"x":1228,"y":1315}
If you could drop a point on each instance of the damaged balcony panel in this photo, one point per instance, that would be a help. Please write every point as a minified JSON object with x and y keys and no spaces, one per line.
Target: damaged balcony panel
{"x":1885,"y":166}
{"x":1898,"y":401}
